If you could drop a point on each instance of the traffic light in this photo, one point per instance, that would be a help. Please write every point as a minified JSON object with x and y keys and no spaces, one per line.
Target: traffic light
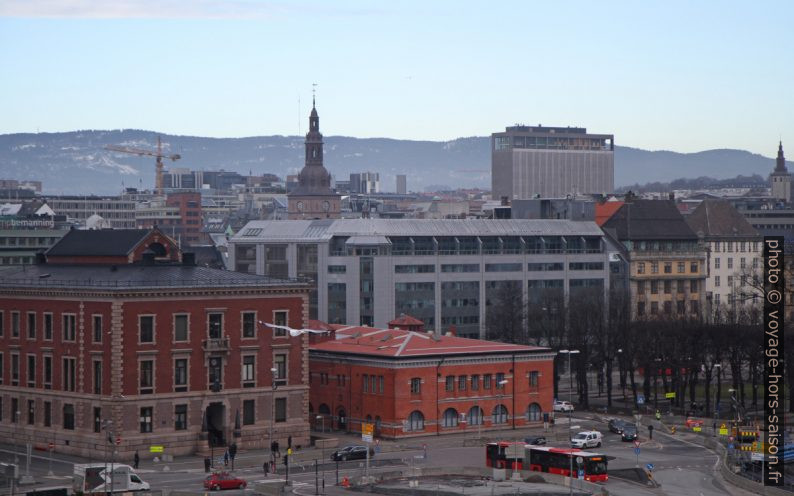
{"x":286,"y":460}
{"x":233,"y":450}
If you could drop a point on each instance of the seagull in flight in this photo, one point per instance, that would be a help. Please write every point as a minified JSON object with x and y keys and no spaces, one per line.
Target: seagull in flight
{"x":293,"y":332}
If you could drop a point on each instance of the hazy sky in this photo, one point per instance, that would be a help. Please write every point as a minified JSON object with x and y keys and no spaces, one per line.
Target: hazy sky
{"x":683,"y":76}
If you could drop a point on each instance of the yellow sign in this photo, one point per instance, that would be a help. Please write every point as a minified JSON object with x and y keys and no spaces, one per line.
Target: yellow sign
{"x":367,"y":428}
{"x":669,"y":395}
{"x":289,"y":451}
{"x":723,"y":431}
{"x":155,"y":449}
{"x":697,"y":429}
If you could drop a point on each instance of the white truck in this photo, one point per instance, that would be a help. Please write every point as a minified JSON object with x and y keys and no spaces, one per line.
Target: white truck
{"x":98,"y":478}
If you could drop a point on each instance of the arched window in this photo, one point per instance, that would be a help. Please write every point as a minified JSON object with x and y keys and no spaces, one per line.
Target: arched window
{"x":450,"y":418}
{"x":475,"y":415}
{"x":534,"y":412}
{"x":324,"y":410}
{"x":369,"y":419}
{"x":377,"y":425}
{"x":341,"y":419}
{"x":416,"y":421}
{"x":500,"y":414}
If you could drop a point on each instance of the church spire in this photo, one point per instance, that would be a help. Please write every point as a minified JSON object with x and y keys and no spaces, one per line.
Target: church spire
{"x":780,"y":165}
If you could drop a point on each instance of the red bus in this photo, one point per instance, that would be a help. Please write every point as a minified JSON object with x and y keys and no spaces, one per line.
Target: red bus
{"x":496,"y":455}
{"x":558,"y":461}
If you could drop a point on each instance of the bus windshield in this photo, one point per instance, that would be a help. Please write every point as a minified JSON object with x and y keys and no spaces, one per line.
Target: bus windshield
{"x":596,"y":466}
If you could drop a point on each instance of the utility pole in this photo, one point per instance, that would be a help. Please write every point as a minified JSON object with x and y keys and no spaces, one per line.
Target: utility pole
{"x":570,"y":417}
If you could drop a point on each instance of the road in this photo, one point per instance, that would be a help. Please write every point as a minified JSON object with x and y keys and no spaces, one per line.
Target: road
{"x":683,"y":468}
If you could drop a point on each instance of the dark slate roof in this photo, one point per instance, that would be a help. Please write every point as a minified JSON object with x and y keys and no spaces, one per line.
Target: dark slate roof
{"x":649,"y":220}
{"x":132,"y":276}
{"x":98,"y":243}
{"x":718,"y":218}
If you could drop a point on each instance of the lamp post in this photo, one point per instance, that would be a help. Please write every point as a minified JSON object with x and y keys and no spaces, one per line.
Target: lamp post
{"x":570,"y":415}
{"x":273,"y":371}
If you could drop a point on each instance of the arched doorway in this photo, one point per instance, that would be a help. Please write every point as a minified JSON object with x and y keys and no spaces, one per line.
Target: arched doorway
{"x":500,"y":414}
{"x":215,"y":424}
{"x":534,"y":412}
{"x":475,"y":415}
{"x":416,"y":421}
{"x":325,"y":421}
{"x":450,"y":418}
{"x":341,"y":419}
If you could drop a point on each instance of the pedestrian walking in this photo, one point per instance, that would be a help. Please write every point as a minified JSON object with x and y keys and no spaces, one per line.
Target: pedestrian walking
{"x":265,"y":466}
{"x":136,"y":459}
{"x":289,"y":442}
{"x":226,"y":457}
{"x":277,"y":450}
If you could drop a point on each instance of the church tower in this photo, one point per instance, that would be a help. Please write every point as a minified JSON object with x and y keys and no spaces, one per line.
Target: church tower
{"x":313,"y":198}
{"x":781,"y":178}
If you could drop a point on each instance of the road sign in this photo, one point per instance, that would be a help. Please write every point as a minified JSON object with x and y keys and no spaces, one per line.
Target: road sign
{"x":649,"y":467}
{"x":155,"y":449}
{"x":367,"y":429}
{"x":640,"y":399}
{"x":730,"y":446}
{"x":581,"y":474}
{"x":669,"y":396}
{"x":118,"y":441}
{"x":757,"y":457}
{"x":637,"y":451}
{"x":723,"y":431}
{"x":636,"y":443}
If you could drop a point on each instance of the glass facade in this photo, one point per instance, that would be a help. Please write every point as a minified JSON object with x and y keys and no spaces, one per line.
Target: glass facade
{"x":460,"y":307}
{"x":337,"y":303}
{"x":417,"y":299}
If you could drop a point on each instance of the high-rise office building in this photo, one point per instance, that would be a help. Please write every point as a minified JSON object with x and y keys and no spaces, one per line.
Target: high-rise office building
{"x":551,"y":162}
{"x":402,"y":186}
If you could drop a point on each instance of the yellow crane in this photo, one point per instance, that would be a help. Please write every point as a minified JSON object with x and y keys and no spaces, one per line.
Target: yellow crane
{"x":158,"y":155}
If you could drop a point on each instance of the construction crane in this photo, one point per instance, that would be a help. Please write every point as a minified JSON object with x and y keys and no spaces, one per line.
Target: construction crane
{"x":158,"y":155}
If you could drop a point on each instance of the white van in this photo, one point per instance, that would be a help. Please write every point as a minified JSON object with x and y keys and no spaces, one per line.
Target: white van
{"x":586,"y":439}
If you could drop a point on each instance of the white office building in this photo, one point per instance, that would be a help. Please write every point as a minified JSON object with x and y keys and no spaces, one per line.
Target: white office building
{"x":443,"y":272}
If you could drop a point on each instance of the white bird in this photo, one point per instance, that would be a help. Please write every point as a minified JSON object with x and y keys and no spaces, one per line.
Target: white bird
{"x":293,"y":332}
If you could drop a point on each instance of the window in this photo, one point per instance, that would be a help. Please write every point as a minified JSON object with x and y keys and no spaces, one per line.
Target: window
{"x":730,"y":281}
{"x":654,"y":308}
{"x":475,"y":382}
{"x":693,"y":267}
{"x":717,"y":281}
{"x":146,"y":419}
{"x":337,"y":269}
{"x":216,"y":373}
{"x":215,"y":325}
{"x":69,"y":330}
{"x":249,"y":368}
{"x":680,"y":306}
{"x":47,"y":326}
{"x":32,"y":325}
{"x":380,"y":383}
{"x":47,"y":414}
{"x":460,"y":267}
{"x":414,"y":269}
{"x":654,"y":287}
{"x":534,"y":375}
{"x":31,"y":412}
{"x":2,"y":365}
{"x":668,"y":287}
{"x":68,"y":416}
{"x":668,"y":307}
{"x":180,"y":417}
{"x":694,"y":306}
{"x":717,"y":263}
{"x":449,"y":383}
{"x":680,"y":286}
{"x":31,"y":371}
{"x":14,"y":369}
{"x":47,"y":371}
{"x":97,"y":376}
{"x":640,"y":308}
{"x":416,"y":385}
{"x":97,"y":419}
{"x":668,"y":267}
{"x":249,"y":416}
{"x":486,"y":381}
{"x":717,"y":246}
{"x":280,"y":318}
{"x":249,"y":323}
{"x":69,"y":369}
{"x":654,"y":267}
{"x":462,"y":380}
{"x":534,"y":412}
{"x":681,"y":267}
{"x":693,"y":286}
{"x":2,"y":323}
{"x":500,"y":379}
{"x":500,"y":414}
{"x":450,"y":418}
{"x":97,"y":328}
{"x":180,"y":375}
{"x":416,"y":421}
{"x":503,"y":267}
{"x":146,"y":329}
{"x":640,"y":267}
{"x":475,"y":415}
{"x":280,"y":363}
{"x":730,"y":262}
{"x":146,"y":376}
{"x":180,"y":327}
{"x":281,"y":409}
{"x":14,"y":324}
{"x":742,"y":263}
{"x":755,"y":266}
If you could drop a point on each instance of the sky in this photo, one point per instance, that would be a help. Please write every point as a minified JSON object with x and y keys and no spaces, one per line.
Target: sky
{"x":674,"y":75}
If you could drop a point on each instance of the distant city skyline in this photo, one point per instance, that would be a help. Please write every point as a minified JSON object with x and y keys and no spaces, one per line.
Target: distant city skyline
{"x":674,"y":76}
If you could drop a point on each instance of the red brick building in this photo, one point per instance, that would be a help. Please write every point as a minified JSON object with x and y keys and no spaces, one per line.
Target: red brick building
{"x":415,"y":383}
{"x":179,"y":216}
{"x":169,"y":352}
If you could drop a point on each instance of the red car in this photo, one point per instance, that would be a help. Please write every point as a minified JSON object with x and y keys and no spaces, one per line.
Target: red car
{"x":693,"y":422}
{"x":223,"y":480}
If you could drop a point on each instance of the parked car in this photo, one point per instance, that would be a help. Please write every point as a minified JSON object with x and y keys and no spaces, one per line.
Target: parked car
{"x":629,"y":433}
{"x":223,"y":480}
{"x":616,"y":425}
{"x":586,"y":439}
{"x":351,"y":453}
{"x":562,"y":406}
{"x":535,"y":440}
{"x":693,"y":422}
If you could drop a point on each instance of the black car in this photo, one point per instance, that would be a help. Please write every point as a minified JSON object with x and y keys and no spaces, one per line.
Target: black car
{"x":616,"y":425}
{"x":350,"y":453}
{"x":535,"y":440}
{"x":629,"y":433}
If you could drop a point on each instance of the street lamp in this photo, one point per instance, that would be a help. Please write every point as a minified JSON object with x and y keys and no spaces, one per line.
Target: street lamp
{"x":570,"y":415}
{"x":273,"y":371}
